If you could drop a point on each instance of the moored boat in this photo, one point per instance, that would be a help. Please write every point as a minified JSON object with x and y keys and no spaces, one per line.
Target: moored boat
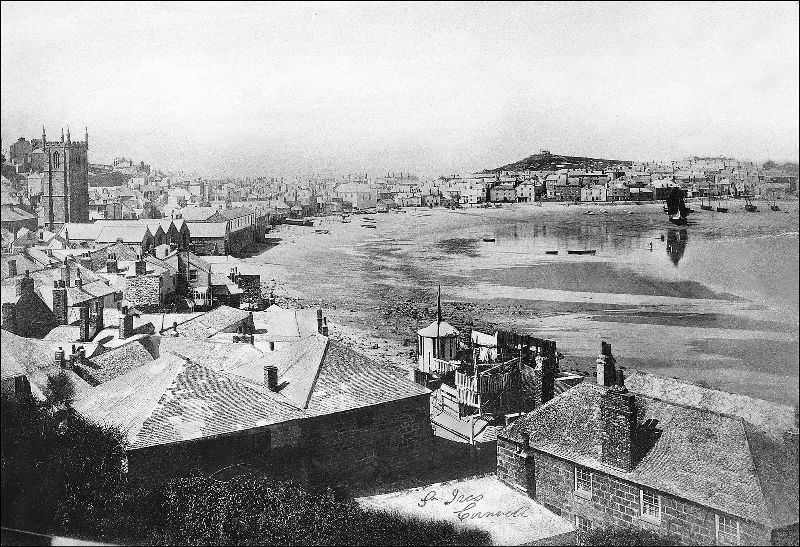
{"x":489,"y":239}
{"x":581,"y":251}
{"x":551,"y":252}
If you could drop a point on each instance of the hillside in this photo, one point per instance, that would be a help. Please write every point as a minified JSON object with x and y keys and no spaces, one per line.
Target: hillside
{"x":553,"y":162}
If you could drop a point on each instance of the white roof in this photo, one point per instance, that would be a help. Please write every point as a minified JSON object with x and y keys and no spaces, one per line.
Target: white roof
{"x":441,"y":330}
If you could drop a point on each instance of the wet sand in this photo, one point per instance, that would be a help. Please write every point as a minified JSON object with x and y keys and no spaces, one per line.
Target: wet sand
{"x":715,"y":302}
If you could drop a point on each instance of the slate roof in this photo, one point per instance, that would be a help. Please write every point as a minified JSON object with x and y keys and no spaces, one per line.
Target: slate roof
{"x":196,"y":213}
{"x":212,"y":322}
{"x":36,"y":358}
{"x":85,"y":231}
{"x":15,"y":214}
{"x":771,"y":417}
{"x":118,"y":361}
{"x":207,"y":229}
{"x":201,"y":389}
{"x":277,"y":323}
{"x":700,"y":455}
{"x":128,"y":234}
{"x":444,"y":329}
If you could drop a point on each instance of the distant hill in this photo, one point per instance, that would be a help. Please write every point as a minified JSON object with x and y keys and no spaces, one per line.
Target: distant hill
{"x":788,"y":167}
{"x":553,"y":162}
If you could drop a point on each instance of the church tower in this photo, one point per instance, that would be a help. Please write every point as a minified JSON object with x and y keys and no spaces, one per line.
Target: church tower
{"x":65,"y":184}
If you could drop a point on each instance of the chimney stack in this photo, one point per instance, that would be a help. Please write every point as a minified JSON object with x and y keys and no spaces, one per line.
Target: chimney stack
{"x":25,"y":285}
{"x":271,"y":377}
{"x":125,"y":324}
{"x":60,"y":302}
{"x":99,"y":322}
{"x":111,"y":263}
{"x":59,"y":358}
{"x":545,"y":374}
{"x":78,"y":280}
{"x":85,"y":334}
{"x":140,"y":266}
{"x":324,"y":326}
{"x":606,"y":372}
{"x":618,"y":415}
{"x":12,"y":268}
{"x":319,"y":321}
{"x":65,"y":272}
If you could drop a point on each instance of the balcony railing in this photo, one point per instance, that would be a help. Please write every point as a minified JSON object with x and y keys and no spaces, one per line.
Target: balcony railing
{"x":439,"y":366}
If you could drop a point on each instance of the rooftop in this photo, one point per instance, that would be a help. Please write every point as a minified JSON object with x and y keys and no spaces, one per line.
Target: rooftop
{"x":695,"y":454}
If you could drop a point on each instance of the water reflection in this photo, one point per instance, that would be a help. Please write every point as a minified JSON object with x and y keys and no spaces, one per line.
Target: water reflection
{"x":676,"y":244}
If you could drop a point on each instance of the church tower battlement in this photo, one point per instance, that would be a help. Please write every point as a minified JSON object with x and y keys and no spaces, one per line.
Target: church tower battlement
{"x":65,"y":184}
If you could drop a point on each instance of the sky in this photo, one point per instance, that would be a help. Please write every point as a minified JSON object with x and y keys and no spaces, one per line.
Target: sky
{"x":434,"y":88}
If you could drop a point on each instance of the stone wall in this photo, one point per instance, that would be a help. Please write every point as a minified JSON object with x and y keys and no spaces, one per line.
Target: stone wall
{"x":613,"y":501}
{"x":143,"y":290}
{"x":377,"y":443}
{"x":380,"y":443}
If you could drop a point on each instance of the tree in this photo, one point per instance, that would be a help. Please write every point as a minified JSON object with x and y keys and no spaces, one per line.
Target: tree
{"x":613,"y":535}
{"x":59,"y":390}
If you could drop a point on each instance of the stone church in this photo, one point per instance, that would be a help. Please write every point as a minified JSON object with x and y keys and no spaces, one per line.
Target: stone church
{"x":65,"y":182}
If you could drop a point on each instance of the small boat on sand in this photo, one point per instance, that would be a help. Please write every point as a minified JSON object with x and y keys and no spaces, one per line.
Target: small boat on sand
{"x":368,"y":226}
{"x":322,"y":231}
{"x":551,"y":252}
{"x":589,"y":213}
{"x":489,"y":239}
{"x":581,"y":251}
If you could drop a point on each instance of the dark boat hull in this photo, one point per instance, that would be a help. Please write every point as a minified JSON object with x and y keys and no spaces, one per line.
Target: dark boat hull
{"x":551,"y":252}
{"x":722,"y":209}
{"x":582,"y":252}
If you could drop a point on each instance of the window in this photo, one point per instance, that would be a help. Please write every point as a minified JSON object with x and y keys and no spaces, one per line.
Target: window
{"x":583,"y":480}
{"x":56,"y":160}
{"x":192,"y":275}
{"x":650,"y":504}
{"x":727,"y":530}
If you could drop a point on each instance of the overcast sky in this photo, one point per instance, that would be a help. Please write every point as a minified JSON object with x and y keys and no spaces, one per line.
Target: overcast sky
{"x":286,"y":89}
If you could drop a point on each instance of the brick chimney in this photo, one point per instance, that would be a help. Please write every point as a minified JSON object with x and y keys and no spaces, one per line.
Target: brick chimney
{"x":59,"y":358}
{"x":545,"y":372}
{"x":99,"y":321}
{"x":78,"y":280}
{"x":85,"y":333}
{"x":12,"y":268}
{"x":140,"y":266}
{"x":60,"y":302}
{"x":319,"y":321}
{"x":111,"y":264}
{"x":618,"y":415}
{"x":606,"y":372}
{"x":65,"y":272}
{"x":25,"y":285}
{"x":271,"y":377}
{"x":324,"y":326}
{"x":125,"y":324}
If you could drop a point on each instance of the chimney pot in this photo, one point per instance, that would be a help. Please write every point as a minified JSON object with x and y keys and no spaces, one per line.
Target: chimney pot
{"x":59,"y":358}
{"x":271,"y":377}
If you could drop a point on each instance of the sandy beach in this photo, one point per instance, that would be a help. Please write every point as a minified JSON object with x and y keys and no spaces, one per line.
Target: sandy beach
{"x":715,"y":301}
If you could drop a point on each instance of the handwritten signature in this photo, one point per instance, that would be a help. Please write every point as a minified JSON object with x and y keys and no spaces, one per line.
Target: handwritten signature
{"x":467,"y":504}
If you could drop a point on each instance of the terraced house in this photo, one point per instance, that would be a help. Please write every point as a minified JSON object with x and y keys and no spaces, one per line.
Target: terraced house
{"x":711,"y":467}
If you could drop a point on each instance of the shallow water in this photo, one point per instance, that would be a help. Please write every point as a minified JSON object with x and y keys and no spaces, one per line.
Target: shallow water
{"x":715,"y":301}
